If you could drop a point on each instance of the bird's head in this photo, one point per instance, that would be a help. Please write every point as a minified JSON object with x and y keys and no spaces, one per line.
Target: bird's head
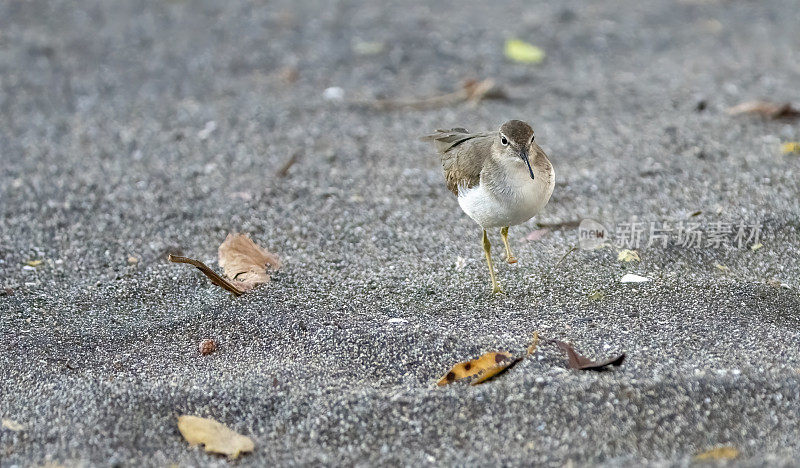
{"x":514,"y":142}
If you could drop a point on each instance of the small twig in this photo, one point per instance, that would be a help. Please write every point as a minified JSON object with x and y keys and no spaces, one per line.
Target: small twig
{"x":284,"y":170}
{"x":472,"y":91}
{"x":560,"y":225}
{"x":212,"y":275}
{"x":572,"y":249}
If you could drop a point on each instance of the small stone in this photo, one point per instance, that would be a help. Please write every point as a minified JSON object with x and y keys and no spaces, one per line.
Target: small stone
{"x":207,"y":347}
{"x":333,"y":93}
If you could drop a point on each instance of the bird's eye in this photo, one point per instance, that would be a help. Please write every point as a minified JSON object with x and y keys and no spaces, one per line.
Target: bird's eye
{"x":504,"y":140}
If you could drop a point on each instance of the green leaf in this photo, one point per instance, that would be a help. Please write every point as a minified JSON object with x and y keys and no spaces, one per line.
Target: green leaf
{"x":522,"y":52}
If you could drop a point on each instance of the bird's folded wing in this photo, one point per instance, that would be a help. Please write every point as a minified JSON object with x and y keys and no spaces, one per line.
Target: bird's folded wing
{"x":462,"y":155}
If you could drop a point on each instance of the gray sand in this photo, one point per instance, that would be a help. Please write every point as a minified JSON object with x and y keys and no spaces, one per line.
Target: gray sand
{"x":107,"y":153}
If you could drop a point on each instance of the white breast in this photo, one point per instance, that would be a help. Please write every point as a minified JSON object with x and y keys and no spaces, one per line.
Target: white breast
{"x":518,"y":202}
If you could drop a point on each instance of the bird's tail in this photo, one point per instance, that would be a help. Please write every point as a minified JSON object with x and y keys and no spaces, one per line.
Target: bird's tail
{"x":444,"y":140}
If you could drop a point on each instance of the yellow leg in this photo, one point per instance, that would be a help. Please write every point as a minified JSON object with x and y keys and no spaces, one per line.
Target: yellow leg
{"x":510,"y":258}
{"x":487,"y":250}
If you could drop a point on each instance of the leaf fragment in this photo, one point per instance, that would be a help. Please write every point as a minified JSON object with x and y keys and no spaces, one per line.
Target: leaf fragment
{"x":792,"y":147}
{"x":12,"y":425}
{"x":244,"y":262}
{"x":34,"y":263}
{"x":537,"y":234}
{"x":628,"y":256}
{"x":534,"y":344}
{"x":523,"y":52}
{"x":631,"y":278}
{"x":217,"y":437}
{"x":755,"y":247}
{"x":474,"y":367}
{"x":495,"y":370}
{"x":725,"y":452}
{"x":766,"y":109}
{"x":577,"y":361}
{"x":596,"y":295}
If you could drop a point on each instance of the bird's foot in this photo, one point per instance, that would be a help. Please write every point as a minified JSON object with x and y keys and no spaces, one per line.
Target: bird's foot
{"x":511,"y":259}
{"x":496,"y":289}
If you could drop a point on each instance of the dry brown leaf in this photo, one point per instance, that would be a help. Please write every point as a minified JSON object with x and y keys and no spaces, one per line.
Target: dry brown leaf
{"x":767,"y":109}
{"x":725,"y":452}
{"x":244,"y":262}
{"x":217,"y":438}
{"x":578,"y":361}
{"x":473,"y":367}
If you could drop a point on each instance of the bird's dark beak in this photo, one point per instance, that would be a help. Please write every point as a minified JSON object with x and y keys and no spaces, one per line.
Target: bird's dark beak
{"x":524,"y":155}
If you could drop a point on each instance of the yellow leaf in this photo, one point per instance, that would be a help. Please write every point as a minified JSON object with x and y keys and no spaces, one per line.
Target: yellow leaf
{"x":216,"y":437}
{"x":755,"y":247}
{"x":473,"y":367}
{"x":628,"y":256}
{"x":792,"y":147}
{"x":34,"y":263}
{"x":725,"y":452}
{"x":522,"y":52}
{"x":721,"y":267}
{"x":597,"y":295}
{"x":487,"y":374}
{"x":12,"y":425}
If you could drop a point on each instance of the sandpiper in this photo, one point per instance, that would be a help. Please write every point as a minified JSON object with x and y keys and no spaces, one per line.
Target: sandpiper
{"x":501,"y":178}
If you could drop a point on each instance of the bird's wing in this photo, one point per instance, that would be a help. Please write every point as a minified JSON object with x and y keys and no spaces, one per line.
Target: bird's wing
{"x":462,"y":154}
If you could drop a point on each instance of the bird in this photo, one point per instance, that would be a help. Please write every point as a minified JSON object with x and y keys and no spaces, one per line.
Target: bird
{"x":501,"y":178}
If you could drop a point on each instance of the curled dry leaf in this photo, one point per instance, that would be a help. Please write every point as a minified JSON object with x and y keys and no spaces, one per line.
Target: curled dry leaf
{"x":216,"y":437}
{"x":507,"y":364}
{"x":488,"y":365}
{"x":771,"y":110}
{"x":469,"y":368}
{"x":496,"y":370}
{"x":725,"y":452}
{"x":577,"y":361}
{"x":244,"y":262}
